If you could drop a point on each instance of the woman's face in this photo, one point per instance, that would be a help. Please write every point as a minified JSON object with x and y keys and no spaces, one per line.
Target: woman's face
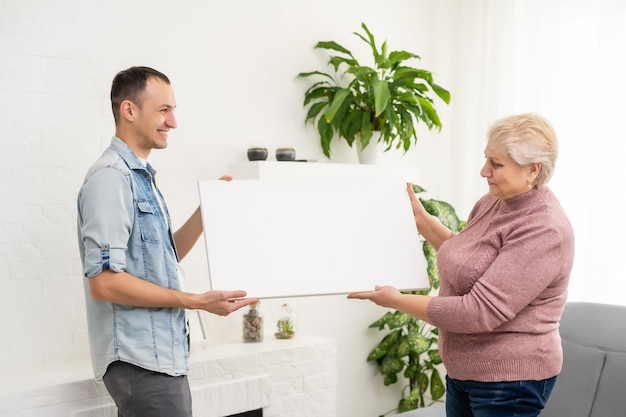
{"x":505,"y":177}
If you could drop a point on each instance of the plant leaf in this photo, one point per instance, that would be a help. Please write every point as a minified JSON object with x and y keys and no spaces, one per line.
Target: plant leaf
{"x":429,"y":115}
{"x":403,"y":348}
{"x":378,"y":352}
{"x":422,"y":383}
{"x":410,"y":402}
{"x":434,"y":356}
{"x":406,"y":405}
{"x":381,"y":322}
{"x":336,"y":61}
{"x":381,"y":95}
{"x":366,"y":129}
{"x":444,"y":212}
{"x":370,"y":41}
{"x":385,"y":345}
{"x":308,"y":74}
{"x":418,"y":343}
{"x":437,"y":388}
{"x":315,"y":110}
{"x":399,"y":319}
{"x":351,"y":126}
{"x":441,"y":92}
{"x":431,"y":264}
{"x":340,"y":96}
{"x":412,"y":74}
{"x":326,"y":135}
{"x":397,"y":57}
{"x":391,"y":365}
{"x":412,"y":369}
{"x":317,"y":91}
{"x":382,"y":61}
{"x":389,"y":379}
{"x":332,"y":45}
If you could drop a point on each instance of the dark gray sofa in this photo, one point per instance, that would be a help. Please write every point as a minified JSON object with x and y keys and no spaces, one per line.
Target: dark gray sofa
{"x":593,"y":380}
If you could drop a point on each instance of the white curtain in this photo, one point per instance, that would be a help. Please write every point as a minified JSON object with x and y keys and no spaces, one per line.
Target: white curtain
{"x":566,"y":60}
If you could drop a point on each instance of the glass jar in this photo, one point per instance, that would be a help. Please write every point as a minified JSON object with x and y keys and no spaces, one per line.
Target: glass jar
{"x":253,"y":324}
{"x":286,"y":322}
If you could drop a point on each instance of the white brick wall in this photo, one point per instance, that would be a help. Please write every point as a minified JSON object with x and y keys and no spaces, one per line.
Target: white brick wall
{"x":288,"y":378}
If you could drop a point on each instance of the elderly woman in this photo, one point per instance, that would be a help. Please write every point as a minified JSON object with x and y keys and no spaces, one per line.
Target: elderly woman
{"x":503,"y":279}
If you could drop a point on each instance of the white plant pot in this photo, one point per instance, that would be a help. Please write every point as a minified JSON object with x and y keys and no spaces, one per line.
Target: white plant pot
{"x":373,"y":152}
{"x":341,"y":152}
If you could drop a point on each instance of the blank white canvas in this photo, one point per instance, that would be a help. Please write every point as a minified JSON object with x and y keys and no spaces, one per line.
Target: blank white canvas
{"x":286,"y":238}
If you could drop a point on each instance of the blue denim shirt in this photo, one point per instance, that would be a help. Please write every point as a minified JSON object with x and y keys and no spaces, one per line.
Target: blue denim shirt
{"x":121,"y":227}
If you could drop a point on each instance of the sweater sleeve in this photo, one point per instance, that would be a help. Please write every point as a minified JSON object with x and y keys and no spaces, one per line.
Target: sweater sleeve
{"x":527,"y":269}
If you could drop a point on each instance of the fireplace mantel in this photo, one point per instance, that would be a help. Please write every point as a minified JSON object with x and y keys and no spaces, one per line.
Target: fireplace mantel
{"x":287,"y":378}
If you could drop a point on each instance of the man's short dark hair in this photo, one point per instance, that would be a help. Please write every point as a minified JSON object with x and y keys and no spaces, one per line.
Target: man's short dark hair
{"x":129,"y":84}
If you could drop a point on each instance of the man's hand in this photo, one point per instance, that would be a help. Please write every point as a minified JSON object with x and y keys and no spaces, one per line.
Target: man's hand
{"x":222,"y":303}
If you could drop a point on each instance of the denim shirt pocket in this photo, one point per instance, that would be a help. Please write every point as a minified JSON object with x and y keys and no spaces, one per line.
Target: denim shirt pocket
{"x":148,"y":217}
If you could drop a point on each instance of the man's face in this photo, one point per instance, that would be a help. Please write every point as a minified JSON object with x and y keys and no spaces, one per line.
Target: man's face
{"x":154,"y":118}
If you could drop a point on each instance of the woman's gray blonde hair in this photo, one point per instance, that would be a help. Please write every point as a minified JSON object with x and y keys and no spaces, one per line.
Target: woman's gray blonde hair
{"x":526,"y":138}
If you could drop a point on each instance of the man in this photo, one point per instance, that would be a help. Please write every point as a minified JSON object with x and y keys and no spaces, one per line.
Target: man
{"x":135,"y":303}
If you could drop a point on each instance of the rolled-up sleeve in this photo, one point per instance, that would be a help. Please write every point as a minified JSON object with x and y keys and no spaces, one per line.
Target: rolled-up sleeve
{"x":106,"y":214}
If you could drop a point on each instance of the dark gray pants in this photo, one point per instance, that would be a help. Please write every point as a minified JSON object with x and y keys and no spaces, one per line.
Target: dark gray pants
{"x":138,"y":392}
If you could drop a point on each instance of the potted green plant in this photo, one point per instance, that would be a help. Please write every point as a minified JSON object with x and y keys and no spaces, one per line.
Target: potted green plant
{"x":284,"y":329}
{"x":410,"y":346}
{"x":391,"y":97}
{"x":286,"y":323}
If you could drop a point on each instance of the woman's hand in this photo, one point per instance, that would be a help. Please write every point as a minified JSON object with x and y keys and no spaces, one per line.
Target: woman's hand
{"x":428,"y":226}
{"x":418,"y":209}
{"x":385,"y":296}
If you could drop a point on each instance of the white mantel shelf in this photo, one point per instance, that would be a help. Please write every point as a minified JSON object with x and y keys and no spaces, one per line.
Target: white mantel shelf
{"x":323,"y":170}
{"x":287,"y":378}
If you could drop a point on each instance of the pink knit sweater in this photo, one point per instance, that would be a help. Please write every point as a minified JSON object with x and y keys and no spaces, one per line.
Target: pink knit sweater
{"x":503,"y":287}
